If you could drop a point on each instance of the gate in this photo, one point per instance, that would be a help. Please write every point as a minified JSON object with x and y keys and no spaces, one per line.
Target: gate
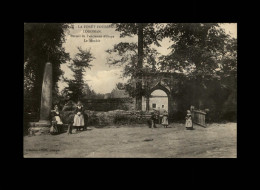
{"x":198,"y":117}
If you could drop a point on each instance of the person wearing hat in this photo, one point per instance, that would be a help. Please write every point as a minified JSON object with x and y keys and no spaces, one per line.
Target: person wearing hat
{"x":165,"y":119}
{"x":79,"y":117}
{"x":188,"y":123}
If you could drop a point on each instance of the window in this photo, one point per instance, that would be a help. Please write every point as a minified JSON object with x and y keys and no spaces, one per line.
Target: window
{"x":154,"y":105}
{"x":162,"y":106}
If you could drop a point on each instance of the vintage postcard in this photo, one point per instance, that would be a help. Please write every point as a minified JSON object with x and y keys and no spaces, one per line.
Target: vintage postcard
{"x":130,"y":90}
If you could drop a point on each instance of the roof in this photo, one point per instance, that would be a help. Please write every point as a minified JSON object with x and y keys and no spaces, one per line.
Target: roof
{"x":116,"y":93}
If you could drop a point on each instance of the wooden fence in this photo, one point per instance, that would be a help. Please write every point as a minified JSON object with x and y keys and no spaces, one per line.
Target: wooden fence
{"x":198,"y":117}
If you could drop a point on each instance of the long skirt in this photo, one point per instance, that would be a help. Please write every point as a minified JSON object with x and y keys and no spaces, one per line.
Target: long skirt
{"x":165,"y":120}
{"x":188,"y":123}
{"x":58,"y":120}
{"x":78,"y":120}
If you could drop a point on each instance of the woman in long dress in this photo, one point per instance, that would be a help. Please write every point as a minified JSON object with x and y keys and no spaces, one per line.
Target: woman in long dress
{"x":165,"y":119}
{"x":79,"y":117}
{"x":188,"y":123}
{"x":58,"y":122}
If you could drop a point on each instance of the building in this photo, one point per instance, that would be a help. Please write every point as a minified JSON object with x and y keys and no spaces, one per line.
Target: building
{"x":116,"y":93}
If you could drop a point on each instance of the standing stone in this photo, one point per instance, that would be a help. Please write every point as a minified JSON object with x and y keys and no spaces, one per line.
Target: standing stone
{"x":46,"y":97}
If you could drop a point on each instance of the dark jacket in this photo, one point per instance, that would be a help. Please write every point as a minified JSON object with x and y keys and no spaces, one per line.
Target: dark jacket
{"x":188,"y":117}
{"x":153,"y":117}
{"x":79,"y":110}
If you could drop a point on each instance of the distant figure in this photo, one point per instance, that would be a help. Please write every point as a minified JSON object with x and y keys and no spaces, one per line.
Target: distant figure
{"x":70,"y":127}
{"x":188,"y":123}
{"x":157,"y":115}
{"x":58,"y":124}
{"x":165,"y":119}
{"x":153,"y":119}
{"x":79,"y":117}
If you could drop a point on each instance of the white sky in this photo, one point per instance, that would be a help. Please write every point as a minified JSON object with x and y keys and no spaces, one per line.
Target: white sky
{"x":102,"y":78}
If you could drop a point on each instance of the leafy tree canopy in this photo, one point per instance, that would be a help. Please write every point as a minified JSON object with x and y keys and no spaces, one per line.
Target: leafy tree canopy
{"x":79,"y":63}
{"x":149,"y":32}
{"x":196,"y":47}
{"x":42,"y":43}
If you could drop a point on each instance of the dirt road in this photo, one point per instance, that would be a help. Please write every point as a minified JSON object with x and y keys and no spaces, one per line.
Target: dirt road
{"x":215,"y":141}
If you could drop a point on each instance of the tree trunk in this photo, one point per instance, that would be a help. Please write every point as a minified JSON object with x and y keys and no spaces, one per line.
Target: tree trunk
{"x":139,"y":67}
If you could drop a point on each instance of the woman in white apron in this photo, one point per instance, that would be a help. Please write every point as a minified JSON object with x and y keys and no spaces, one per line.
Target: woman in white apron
{"x":79,"y":117}
{"x":56,"y":115}
{"x":188,"y":123}
{"x":165,"y":119}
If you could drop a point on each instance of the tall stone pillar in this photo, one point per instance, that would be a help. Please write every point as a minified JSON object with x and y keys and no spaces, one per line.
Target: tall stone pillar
{"x":147,"y":103}
{"x":46,"y":97}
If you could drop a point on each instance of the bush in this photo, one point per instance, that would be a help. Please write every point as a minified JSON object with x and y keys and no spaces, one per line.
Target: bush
{"x":70,"y":106}
{"x":93,"y":120}
{"x":178,"y":116}
{"x":67,"y":116}
{"x":116,"y":117}
{"x":229,"y":116}
{"x":122,"y":119}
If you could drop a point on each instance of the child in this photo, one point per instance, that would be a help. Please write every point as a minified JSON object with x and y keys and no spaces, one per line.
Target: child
{"x":165,"y":119}
{"x":188,"y":123}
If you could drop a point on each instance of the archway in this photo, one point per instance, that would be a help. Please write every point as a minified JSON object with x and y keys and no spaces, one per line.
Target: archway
{"x":160,"y":98}
{"x":158,"y":101}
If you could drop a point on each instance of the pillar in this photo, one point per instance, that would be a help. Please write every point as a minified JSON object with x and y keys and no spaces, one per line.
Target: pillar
{"x":46,"y":97}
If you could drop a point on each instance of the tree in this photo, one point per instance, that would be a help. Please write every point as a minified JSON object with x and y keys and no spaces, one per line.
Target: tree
{"x":120,"y":86}
{"x":203,"y":53}
{"x":133,"y":56}
{"x":195,"y":45}
{"x":208,"y":58}
{"x":42,"y":43}
{"x":81,"y":61}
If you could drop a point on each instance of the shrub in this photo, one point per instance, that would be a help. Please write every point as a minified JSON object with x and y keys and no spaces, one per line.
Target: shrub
{"x":123,"y":119}
{"x":67,"y":116}
{"x":93,"y":120}
{"x":70,"y":106}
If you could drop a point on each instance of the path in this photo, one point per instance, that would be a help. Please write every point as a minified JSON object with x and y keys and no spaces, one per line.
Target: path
{"x":215,"y":141}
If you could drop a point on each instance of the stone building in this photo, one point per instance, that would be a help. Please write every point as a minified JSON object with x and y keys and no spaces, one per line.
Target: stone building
{"x":159,"y":90}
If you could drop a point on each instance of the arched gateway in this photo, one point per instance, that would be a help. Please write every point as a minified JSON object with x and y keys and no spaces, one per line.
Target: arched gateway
{"x":158,"y":101}
{"x":160,"y":88}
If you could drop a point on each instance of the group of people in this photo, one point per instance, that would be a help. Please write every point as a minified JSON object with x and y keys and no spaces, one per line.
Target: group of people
{"x":78,"y":121}
{"x":165,"y":123}
{"x":156,"y":117}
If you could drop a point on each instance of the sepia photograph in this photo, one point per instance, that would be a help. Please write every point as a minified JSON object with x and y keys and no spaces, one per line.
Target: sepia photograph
{"x":130,"y":90}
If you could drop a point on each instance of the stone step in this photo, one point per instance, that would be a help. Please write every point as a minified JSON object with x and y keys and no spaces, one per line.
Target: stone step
{"x":38,"y":130}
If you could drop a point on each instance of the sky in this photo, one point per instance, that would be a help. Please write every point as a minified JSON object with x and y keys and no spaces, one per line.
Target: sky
{"x":102,"y":78}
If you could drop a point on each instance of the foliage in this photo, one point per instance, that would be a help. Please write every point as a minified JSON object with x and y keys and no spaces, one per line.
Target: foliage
{"x":125,"y":55}
{"x":198,"y":49}
{"x":150,"y":36}
{"x":93,"y":119}
{"x":42,"y":43}
{"x":69,"y":106}
{"x":67,"y":117}
{"x":204,"y":53}
{"x":120,"y":86}
{"x":208,"y":58}
{"x":135,"y":58}
{"x":77,"y":86}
